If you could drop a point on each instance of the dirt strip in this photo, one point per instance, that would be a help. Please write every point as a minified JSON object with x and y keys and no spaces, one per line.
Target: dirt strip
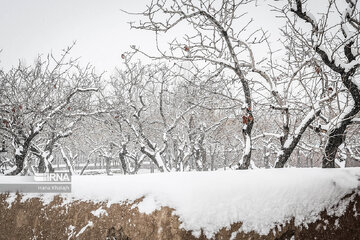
{"x":31,"y":219}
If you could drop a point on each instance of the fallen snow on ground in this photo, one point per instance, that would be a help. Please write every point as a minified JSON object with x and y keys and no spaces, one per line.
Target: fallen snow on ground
{"x":89,"y":224}
{"x":148,"y":205}
{"x":11,"y":198}
{"x":260,"y":199}
{"x":99,"y":212}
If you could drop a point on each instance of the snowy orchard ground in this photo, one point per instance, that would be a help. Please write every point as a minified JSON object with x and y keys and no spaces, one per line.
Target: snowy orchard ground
{"x":260,"y":199}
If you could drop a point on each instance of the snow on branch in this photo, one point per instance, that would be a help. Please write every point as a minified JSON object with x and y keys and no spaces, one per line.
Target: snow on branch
{"x":307,"y":16}
{"x":68,"y":99}
{"x":356,"y":120}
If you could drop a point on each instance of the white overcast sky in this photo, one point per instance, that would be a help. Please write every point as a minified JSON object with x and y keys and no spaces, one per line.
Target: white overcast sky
{"x":30,"y":27}
{"x":101,"y":30}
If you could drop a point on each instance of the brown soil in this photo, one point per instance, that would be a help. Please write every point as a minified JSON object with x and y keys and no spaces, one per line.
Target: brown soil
{"x":32,"y":220}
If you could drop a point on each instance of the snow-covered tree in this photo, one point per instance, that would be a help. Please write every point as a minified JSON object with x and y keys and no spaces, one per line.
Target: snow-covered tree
{"x":35,"y":97}
{"x":212,"y":41}
{"x":334,"y":38}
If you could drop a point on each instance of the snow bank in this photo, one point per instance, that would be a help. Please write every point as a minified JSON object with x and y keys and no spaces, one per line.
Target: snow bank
{"x":260,"y":199}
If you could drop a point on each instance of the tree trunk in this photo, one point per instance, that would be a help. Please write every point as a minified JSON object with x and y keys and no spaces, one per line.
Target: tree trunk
{"x":155,"y":158}
{"x":336,"y":138}
{"x":266,"y":157}
{"x":41,"y":166}
{"x":244,"y":163}
{"x":19,"y":163}
{"x":108,"y":167}
{"x":123,"y":163}
{"x":337,"y":134}
{"x":20,"y":155}
{"x":298,"y":162}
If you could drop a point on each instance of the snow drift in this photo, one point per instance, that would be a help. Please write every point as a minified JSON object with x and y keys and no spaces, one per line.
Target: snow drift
{"x":208,"y":201}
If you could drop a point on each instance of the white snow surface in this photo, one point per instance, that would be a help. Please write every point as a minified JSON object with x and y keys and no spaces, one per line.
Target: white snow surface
{"x":260,"y":198}
{"x":356,"y":81}
{"x":99,"y":212}
{"x":11,"y":198}
{"x":89,"y":224}
{"x":7,"y":171}
{"x":148,"y":205}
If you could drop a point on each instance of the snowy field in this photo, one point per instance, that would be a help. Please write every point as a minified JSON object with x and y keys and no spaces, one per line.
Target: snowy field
{"x":261,"y":199}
